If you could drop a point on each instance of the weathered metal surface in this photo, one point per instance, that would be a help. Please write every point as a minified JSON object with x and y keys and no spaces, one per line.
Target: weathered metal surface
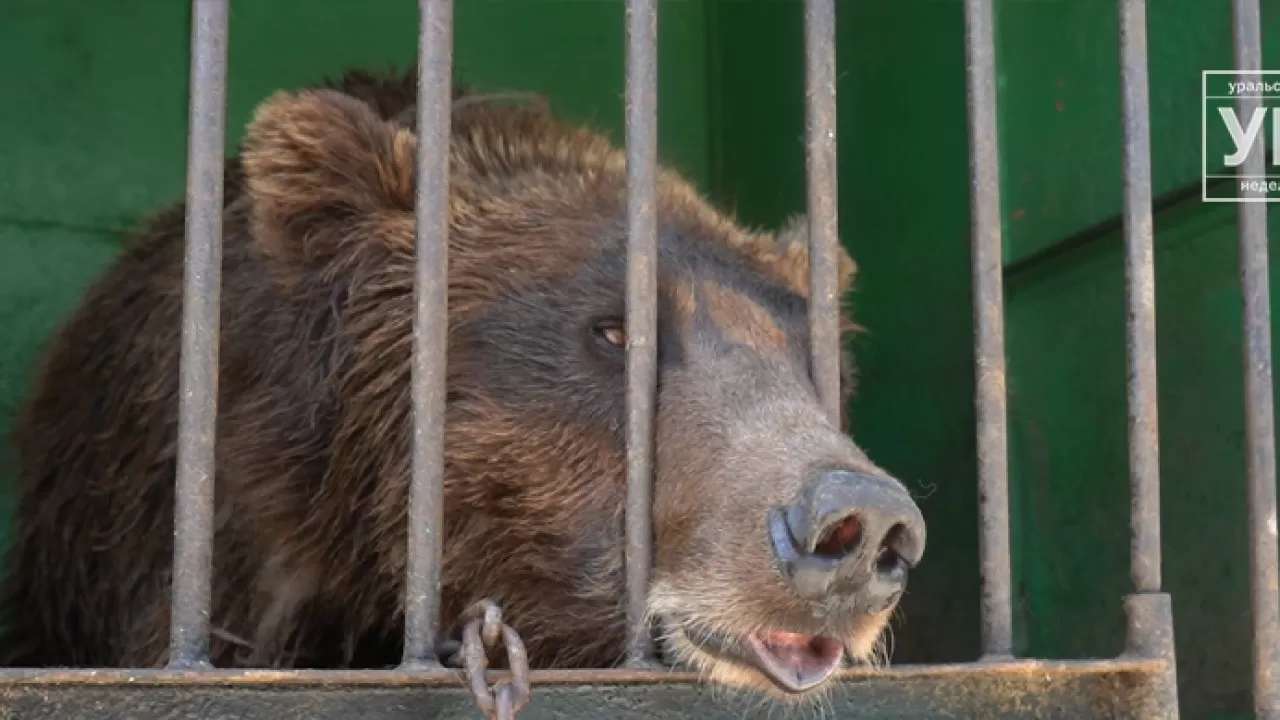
{"x":1149,"y":612}
{"x":482,"y":630}
{"x":1260,"y":440}
{"x":430,"y":332}
{"x":642,"y":312}
{"x":988,"y":306}
{"x":1140,"y":292}
{"x":198,"y":369}
{"x":822,"y":198}
{"x":1111,"y":689}
{"x":1149,"y":619}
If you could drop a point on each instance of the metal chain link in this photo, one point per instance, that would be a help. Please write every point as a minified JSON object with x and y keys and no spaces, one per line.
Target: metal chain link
{"x":482,"y":629}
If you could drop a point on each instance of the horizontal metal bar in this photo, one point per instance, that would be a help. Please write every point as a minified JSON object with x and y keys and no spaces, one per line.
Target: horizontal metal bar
{"x":198,"y":363}
{"x":821,"y":167}
{"x":642,"y":312}
{"x":430,"y":333}
{"x":988,"y":306}
{"x":1260,"y":434}
{"x":1114,"y":689}
{"x":620,"y":676}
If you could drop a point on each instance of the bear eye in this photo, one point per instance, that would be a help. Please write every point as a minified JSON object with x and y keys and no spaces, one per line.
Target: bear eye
{"x":612,"y":332}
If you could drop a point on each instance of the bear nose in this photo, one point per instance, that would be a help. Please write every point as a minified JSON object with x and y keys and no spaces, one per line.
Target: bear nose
{"x":849,"y":535}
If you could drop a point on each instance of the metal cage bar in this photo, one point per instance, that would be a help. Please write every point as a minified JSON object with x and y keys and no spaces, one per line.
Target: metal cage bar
{"x":993,"y":691}
{"x":198,"y":363}
{"x":821,"y":168}
{"x":1260,"y":440}
{"x":1139,"y":265}
{"x":988,"y":306}
{"x":1149,"y":612}
{"x":430,"y":332}
{"x":642,"y":312}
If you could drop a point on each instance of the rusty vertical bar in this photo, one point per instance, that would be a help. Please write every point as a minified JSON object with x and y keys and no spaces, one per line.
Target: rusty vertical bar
{"x":1148,"y":611}
{"x":1139,"y":265}
{"x":1260,"y":442}
{"x":430,"y":333}
{"x":642,"y":312}
{"x":198,"y":364}
{"x":821,"y":166}
{"x":988,"y":305}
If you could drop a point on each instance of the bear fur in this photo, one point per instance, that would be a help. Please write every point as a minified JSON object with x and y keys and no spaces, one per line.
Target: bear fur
{"x":314,"y":421}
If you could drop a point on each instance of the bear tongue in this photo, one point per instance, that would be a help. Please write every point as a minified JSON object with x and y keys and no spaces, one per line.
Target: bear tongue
{"x":794,"y":661}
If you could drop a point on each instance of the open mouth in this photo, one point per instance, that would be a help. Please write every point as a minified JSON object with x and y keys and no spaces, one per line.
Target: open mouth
{"x":794,"y":662}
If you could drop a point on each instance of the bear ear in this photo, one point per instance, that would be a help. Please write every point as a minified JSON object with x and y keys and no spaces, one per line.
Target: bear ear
{"x":317,"y":165}
{"x":790,"y":262}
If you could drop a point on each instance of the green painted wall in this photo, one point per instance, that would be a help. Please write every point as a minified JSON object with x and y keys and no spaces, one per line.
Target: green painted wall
{"x":1061,"y":139}
{"x":1060,"y":115}
{"x":95,"y":136}
{"x":1068,"y":425}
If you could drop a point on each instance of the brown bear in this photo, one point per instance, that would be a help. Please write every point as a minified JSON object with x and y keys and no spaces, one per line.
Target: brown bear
{"x":781,"y":550}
